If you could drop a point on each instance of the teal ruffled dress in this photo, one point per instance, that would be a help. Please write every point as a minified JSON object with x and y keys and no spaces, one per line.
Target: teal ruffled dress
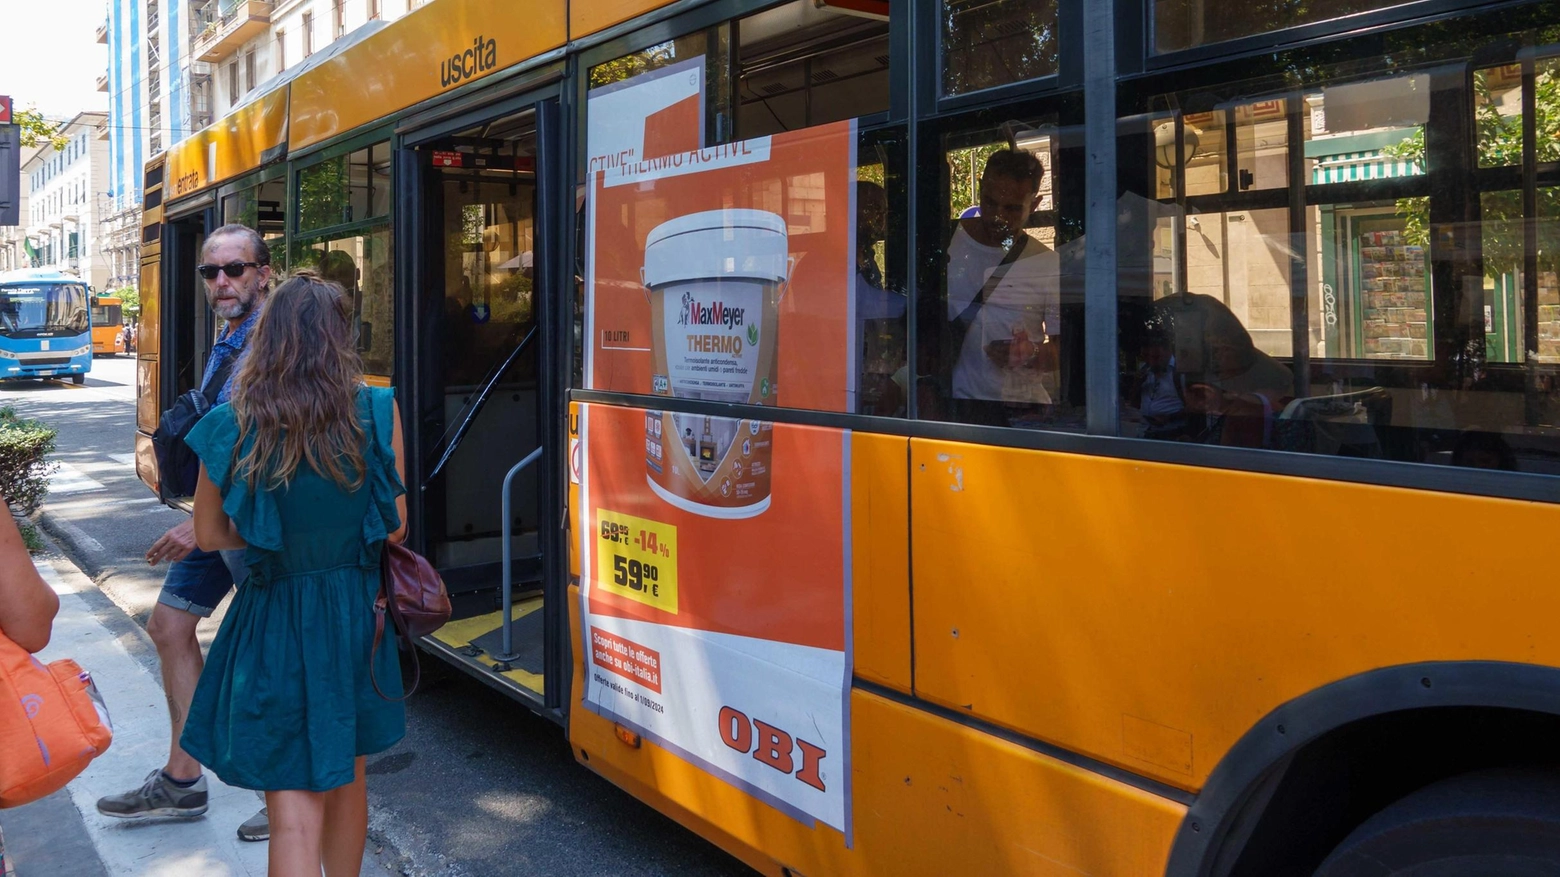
{"x":286,"y":700}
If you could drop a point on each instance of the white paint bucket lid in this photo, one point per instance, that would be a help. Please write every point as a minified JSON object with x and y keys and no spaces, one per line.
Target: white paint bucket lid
{"x":717,"y":244}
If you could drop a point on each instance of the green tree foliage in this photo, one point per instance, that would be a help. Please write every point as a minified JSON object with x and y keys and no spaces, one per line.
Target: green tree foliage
{"x":629,"y":66}
{"x":1499,"y":145}
{"x":988,"y":44}
{"x":964,"y":170}
{"x":24,"y":465}
{"x":130,"y":300}
{"x":36,"y":129}
{"x":322,"y":194}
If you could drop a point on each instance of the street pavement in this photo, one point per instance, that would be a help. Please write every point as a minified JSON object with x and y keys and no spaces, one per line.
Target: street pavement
{"x":480,"y":785}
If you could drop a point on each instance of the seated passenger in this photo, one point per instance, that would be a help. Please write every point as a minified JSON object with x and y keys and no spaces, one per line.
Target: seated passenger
{"x":1239,"y":388}
{"x":1157,"y":391}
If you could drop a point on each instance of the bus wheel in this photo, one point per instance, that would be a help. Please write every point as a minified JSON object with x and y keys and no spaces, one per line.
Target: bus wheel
{"x":78,"y":379}
{"x":1502,"y":822}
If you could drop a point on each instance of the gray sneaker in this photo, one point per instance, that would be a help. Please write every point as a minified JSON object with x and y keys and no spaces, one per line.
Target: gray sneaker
{"x":256,"y":827}
{"x":156,"y":797}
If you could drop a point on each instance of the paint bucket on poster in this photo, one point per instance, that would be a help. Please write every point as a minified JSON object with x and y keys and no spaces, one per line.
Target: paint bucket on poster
{"x":715,"y":280}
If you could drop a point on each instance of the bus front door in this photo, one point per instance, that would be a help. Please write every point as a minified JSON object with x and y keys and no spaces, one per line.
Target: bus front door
{"x":479,"y":394}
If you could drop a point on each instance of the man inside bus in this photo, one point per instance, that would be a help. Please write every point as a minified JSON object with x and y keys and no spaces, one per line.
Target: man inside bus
{"x":1003,"y":297}
{"x":236,"y":268}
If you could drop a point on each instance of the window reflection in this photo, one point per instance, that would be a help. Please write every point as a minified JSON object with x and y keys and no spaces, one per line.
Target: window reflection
{"x":1184,"y":24}
{"x":803,"y":64}
{"x":986,"y":43}
{"x":361,"y":265}
{"x":1402,"y":304}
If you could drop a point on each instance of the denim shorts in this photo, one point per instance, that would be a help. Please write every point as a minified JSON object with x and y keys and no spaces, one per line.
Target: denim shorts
{"x":198,"y":583}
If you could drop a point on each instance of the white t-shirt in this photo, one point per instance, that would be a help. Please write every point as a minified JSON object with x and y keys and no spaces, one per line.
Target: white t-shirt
{"x":1027,"y":299}
{"x":969,"y":264}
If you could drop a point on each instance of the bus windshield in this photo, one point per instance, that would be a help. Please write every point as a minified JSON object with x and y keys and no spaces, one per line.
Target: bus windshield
{"x":106,"y":315}
{"x":43,"y":309}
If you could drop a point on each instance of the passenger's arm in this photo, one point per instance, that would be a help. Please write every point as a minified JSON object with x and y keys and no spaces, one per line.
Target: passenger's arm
{"x":397,"y":443}
{"x":27,"y":603}
{"x":214,"y":530}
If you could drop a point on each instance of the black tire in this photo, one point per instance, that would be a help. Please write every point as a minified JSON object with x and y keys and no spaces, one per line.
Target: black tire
{"x":78,"y":379}
{"x":1489,"y":824}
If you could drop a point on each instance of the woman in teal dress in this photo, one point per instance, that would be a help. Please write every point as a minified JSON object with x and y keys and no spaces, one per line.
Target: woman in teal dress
{"x":303,"y":470}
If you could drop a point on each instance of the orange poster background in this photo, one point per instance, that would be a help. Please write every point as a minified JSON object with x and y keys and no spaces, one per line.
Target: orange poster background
{"x":779,"y":575}
{"x":808,"y":179}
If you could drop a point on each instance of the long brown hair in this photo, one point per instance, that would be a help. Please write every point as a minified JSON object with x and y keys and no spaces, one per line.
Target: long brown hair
{"x":296,"y":391}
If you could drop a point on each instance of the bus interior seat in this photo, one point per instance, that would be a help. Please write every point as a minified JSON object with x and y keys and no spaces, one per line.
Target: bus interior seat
{"x":1340,"y":425}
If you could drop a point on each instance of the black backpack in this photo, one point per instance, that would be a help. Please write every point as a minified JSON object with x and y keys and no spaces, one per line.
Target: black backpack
{"x":177,"y":466}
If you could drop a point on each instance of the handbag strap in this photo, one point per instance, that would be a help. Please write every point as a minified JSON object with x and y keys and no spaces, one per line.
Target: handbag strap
{"x":386,"y":605}
{"x":967,"y":317}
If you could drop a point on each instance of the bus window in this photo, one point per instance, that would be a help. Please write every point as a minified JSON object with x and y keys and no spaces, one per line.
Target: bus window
{"x":999,"y":328}
{"x":260,"y":207}
{"x":1365,"y":289}
{"x":986,"y":43}
{"x":361,"y":265}
{"x":1185,"y":24}
{"x":786,"y":82}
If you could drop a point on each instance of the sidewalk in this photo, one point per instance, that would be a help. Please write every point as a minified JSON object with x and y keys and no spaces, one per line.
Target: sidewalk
{"x":63,"y":835}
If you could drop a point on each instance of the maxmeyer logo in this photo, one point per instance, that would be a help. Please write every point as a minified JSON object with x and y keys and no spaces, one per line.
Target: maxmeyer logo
{"x":717,"y":313}
{"x":480,"y":58}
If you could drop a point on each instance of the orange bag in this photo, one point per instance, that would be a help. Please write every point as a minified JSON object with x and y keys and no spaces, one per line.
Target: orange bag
{"x":52,"y":724}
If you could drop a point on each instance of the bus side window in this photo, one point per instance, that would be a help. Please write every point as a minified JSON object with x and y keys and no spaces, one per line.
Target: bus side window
{"x":992,"y":341}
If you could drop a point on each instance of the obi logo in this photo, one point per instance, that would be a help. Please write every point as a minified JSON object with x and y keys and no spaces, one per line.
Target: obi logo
{"x":772,"y":747}
{"x":716,"y":313}
{"x":32,"y":703}
{"x":480,"y":58}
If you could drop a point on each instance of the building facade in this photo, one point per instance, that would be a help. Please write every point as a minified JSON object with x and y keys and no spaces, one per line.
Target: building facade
{"x":242,"y":43}
{"x":65,"y":211}
{"x":175,"y":66}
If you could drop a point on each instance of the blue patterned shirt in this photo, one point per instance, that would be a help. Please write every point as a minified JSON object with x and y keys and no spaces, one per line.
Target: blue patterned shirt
{"x":230,"y":344}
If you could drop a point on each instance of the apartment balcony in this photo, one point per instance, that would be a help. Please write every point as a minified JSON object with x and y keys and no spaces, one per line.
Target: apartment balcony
{"x":228,"y":25}
{"x":102,"y":32}
{"x":102,"y":81}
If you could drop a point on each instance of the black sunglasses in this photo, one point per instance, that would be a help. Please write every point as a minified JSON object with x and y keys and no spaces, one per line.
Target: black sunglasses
{"x":231,"y":269}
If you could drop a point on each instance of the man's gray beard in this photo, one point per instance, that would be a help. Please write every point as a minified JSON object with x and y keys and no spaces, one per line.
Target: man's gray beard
{"x":239,"y":309}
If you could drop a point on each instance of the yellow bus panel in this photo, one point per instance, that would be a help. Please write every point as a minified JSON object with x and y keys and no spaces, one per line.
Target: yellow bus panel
{"x":436,"y":48}
{"x":880,"y":559}
{"x":587,"y":18}
{"x":1149,"y":615}
{"x":237,"y":143}
{"x":930,"y":796}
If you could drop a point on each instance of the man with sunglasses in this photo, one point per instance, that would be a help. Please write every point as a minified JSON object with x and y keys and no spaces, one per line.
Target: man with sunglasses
{"x":236,"y":268}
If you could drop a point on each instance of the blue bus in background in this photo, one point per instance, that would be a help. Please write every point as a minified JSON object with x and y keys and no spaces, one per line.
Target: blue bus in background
{"x":45,"y":325}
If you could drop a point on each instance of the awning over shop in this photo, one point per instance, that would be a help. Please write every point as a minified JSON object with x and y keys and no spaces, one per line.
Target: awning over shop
{"x":1349,"y":167}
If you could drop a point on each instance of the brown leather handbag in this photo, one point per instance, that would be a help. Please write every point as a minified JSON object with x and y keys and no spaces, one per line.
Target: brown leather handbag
{"x":413,"y":595}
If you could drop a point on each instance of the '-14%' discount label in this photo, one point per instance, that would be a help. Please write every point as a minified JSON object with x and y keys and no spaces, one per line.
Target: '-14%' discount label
{"x":637,"y":559}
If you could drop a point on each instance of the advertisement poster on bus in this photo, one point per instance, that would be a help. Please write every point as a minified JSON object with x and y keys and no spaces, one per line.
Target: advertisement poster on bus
{"x":714,"y":563}
{"x":646,"y":116}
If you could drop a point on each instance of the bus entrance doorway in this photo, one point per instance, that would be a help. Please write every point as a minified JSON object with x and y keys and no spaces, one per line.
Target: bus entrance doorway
{"x":479,"y":385}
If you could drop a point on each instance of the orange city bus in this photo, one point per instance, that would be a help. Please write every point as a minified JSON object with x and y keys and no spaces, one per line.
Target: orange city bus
{"x":961,"y":437}
{"x":108,"y":326}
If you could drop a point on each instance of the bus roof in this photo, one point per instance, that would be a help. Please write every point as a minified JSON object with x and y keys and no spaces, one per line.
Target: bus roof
{"x":38,"y":275}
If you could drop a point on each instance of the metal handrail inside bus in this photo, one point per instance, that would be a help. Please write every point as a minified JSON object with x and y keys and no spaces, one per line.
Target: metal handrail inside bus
{"x":507,"y":654}
{"x":475,"y":407}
